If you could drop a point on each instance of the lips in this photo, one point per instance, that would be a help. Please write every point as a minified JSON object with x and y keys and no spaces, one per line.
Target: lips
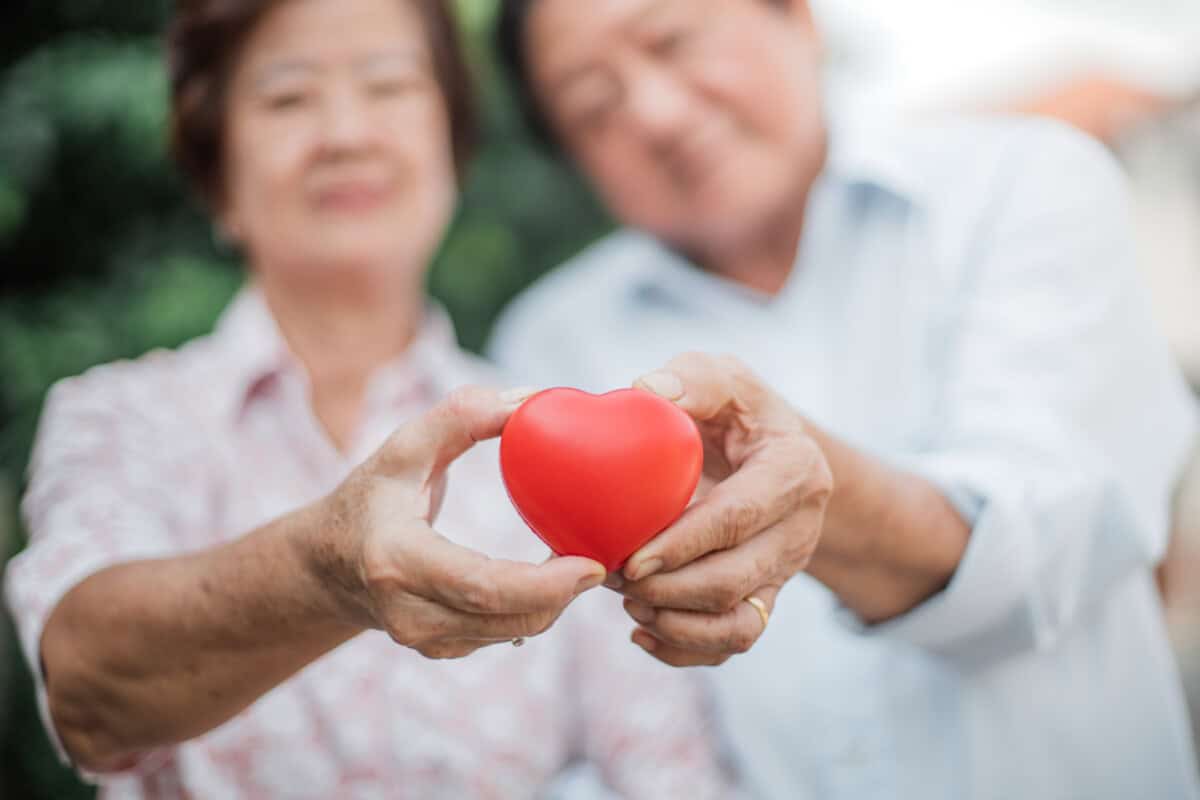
{"x":699,"y":155}
{"x":352,"y":196}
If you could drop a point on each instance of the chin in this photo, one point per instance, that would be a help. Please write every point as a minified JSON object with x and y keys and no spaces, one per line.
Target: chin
{"x":361,"y":265}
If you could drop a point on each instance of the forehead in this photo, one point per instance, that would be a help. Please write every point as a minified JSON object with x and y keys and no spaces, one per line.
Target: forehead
{"x":557,"y":30}
{"x":301,"y":29}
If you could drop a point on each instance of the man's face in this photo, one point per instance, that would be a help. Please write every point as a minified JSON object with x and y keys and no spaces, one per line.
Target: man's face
{"x":697,"y":120}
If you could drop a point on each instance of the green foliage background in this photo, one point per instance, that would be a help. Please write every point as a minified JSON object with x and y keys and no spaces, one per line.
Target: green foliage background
{"x":103,"y":256}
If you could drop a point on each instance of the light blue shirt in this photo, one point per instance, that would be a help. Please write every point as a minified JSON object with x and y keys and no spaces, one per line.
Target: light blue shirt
{"x":964,"y":305}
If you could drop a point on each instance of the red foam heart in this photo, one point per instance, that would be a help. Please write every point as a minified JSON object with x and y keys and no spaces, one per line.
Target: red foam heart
{"x":600,"y":475}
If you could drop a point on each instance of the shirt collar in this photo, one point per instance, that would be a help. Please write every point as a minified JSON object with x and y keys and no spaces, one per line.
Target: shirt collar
{"x":862,"y":158}
{"x":254,"y":351}
{"x":864,"y":153}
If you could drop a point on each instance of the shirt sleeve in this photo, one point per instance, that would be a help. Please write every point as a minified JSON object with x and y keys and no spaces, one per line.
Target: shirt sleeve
{"x":98,"y":496}
{"x":1064,"y":422}
{"x":646,"y":727}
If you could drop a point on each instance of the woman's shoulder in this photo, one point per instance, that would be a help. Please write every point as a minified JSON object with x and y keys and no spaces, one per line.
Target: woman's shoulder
{"x":161,"y":389}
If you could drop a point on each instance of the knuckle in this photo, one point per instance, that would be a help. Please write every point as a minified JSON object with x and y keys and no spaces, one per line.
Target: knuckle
{"x":530,"y":625}
{"x":439,"y":651}
{"x":814,"y":478}
{"x":405,"y":634}
{"x":477,"y":594}
{"x":460,"y":400}
{"x":770,"y":569}
{"x":690,"y":360}
{"x":378,"y":573}
{"x":465,"y":401}
{"x":800,"y":555}
{"x":725,"y":595}
{"x":672,"y":658}
{"x":730,"y":363}
{"x":740,"y":640}
{"x":544,"y":623}
{"x":737,"y":517}
{"x":822,"y":482}
{"x":744,"y":381}
{"x":648,"y":591}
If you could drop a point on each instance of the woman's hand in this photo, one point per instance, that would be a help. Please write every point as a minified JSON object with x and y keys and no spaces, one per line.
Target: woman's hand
{"x":391,"y":570}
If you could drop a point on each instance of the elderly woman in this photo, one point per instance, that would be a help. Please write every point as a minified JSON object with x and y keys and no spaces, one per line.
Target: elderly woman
{"x":233,"y":587}
{"x":949,"y":315}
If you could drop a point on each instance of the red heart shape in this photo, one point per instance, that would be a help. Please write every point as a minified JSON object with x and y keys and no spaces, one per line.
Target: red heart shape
{"x":600,"y":475}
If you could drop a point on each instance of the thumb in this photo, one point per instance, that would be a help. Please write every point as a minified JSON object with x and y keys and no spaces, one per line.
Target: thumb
{"x":463,"y":419}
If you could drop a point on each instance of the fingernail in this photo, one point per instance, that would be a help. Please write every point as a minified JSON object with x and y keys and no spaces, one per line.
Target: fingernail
{"x":513,"y":397}
{"x":644,"y":641}
{"x":588,"y":582}
{"x":643,"y":614}
{"x":614,"y":580}
{"x":644,"y":569}
{"x":663,"y":384}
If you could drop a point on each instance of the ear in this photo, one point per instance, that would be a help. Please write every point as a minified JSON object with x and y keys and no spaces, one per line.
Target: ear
{"x":227,"y":228}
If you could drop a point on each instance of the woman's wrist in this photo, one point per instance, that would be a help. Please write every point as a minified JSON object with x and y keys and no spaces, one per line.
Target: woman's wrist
{"x":325,"y":558}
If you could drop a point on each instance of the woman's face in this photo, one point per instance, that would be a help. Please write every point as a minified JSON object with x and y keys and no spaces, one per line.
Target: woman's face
{"x":697,"y":120}
{"x":338,"y":160}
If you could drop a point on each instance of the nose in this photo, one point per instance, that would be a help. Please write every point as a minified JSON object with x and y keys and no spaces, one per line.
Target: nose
{"x":658,"y":103}
{"x":346,"y":121}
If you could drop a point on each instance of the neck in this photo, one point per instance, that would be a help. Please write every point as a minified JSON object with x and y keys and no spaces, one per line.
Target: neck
{"x":764,"y":262}
{"x":341,"y":337}
{"x":764,"y":258}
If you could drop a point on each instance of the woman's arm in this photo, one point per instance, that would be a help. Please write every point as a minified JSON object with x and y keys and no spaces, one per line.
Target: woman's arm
{"x":152,"y":653}
{"x":156,"y":652}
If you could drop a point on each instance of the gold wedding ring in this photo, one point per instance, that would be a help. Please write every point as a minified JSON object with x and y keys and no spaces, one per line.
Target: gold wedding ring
{"x":761,"y":608}
{"x":517,"y":642}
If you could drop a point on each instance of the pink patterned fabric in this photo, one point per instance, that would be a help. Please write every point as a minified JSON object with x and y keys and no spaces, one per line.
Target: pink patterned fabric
{"x":182,"y":450}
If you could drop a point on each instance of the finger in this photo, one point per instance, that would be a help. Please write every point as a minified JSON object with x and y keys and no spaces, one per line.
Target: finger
{"x":450,"y":624}
{"x":454,"y":648}
{"x":734,"y":631}
{"x":464,"y":418}
{"x":674,"y":656}
{"x":717,"y":582}
{"x":469,"y":581}
{"x":750,"y":500}
{"x":705,"y":386}
{"x":424,"y":625}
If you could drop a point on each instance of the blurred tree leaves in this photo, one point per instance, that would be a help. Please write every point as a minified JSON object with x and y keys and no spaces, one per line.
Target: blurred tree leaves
{"x":104,"y":256}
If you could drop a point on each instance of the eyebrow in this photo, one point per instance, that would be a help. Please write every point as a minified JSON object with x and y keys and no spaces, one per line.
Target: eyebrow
{"x":638,"y":20}
{"x":282,"y":69}
{"x":299,"y":66}
{"x":408,"y":54}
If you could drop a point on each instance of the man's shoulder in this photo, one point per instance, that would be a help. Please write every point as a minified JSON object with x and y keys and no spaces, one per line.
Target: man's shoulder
{"x":962,"y":160}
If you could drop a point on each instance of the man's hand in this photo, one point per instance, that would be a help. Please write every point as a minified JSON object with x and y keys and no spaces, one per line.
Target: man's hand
{"x":703,"y":589}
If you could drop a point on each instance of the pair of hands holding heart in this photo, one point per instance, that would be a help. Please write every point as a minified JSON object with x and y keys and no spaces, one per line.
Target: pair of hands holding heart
{"x":606,"y":481}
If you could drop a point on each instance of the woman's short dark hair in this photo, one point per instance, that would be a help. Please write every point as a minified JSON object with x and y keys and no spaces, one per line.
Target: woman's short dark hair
{"x":204,"y":41}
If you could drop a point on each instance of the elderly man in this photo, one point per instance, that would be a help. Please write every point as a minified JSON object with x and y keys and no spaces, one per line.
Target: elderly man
{"x":948,"y":317}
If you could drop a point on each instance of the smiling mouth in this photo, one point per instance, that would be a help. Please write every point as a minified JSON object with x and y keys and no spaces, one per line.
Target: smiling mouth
{"x":698,"y":159}
{"x":352,"y":197}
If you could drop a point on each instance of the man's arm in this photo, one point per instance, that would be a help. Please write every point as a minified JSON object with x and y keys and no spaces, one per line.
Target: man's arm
{"x":1064,"y":425}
